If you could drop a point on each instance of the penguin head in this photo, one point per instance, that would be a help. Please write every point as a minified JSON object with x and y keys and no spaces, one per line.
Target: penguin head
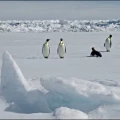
{"x":61,"y":39}
{"x":110,"y":35}
{"x":47,"y":40}
{"x":93,"y":49}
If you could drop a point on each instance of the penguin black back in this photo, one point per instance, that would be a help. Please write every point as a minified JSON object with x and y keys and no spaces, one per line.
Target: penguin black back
{"x":95,"y":53}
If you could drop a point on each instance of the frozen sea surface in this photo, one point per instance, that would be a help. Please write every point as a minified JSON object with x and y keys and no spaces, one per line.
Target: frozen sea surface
{"x":77,"y":86}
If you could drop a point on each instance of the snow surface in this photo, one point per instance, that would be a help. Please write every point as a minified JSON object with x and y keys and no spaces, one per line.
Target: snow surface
{"x":66,"y":113}
{"x":59,"y":25}
{"x":78,"y":86}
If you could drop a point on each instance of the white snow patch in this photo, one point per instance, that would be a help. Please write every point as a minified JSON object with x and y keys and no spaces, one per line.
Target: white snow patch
{"x":106,"y":112}
{"x":66,"y":113}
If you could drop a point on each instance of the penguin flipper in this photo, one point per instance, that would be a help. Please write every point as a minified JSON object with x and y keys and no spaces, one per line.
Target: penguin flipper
{"x":65,"y":49}
{"x":110,"y":44}
{"x":57,"y":50}
{"x":42,"y":49}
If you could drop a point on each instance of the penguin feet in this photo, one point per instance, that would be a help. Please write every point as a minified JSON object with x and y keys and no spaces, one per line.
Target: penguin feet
{"x":108,"y":50}
{"x":46,"y":57}
{"x":61,"y":57}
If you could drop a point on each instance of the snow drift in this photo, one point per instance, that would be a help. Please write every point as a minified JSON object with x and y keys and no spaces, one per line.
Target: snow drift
{"x":16,"y":89}
{"x":59,"y":25}
{"x":22,"y":97}
{"x":65,"y":98}
{"x":77,"y":94}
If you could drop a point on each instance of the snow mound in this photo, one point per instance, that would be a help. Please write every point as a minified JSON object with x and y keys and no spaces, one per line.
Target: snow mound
{"x":72,"y":98}
{"x":66,"y":113}
{"x":106,"y":112}
{"x":59,"y":25}
{"x":10,"y":71}
{"x":16,"y":90}
{"x":77,"y":94}
{"x":106,"y":82}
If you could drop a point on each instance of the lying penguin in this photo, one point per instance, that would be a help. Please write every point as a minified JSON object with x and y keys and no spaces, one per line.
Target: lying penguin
{"x":95,"y":53}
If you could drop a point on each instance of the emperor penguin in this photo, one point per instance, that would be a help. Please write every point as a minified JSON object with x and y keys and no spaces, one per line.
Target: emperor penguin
{"x":46,"y":49}
{"x":61,"y":50}
{"x":95,"y":53}
{"x":108,"y":43}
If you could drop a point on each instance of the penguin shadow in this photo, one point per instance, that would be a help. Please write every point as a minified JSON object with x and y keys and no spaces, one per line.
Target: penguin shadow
{"x":102,"y":51}
{"x":90,"y":56}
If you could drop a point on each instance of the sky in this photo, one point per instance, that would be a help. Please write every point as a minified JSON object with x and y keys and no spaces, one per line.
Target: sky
{"x":71,"y":10}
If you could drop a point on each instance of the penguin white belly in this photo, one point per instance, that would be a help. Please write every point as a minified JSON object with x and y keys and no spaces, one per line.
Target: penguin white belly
{"x":61,"y":51}
{"x":46,"y":51}
{"x":107,"y":45}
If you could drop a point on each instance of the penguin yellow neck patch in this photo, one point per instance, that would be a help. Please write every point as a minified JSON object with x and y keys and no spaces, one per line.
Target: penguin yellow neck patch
{"x":108,"y":39}
{"x":46,"y":43}
{"x":61,"y":42}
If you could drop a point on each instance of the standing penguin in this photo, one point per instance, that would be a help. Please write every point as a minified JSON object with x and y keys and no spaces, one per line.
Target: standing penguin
{"x":108,"y":43}
{"x":61,"y":49}
{"x":46,"y":49}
